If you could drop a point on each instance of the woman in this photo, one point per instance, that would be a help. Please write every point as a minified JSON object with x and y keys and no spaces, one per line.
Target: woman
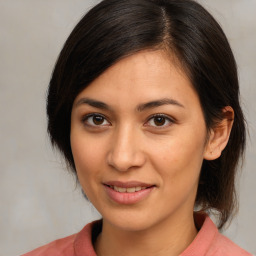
{"x":144,"y":105}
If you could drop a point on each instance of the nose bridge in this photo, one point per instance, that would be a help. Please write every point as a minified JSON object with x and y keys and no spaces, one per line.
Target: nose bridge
{"x":125,"y":152}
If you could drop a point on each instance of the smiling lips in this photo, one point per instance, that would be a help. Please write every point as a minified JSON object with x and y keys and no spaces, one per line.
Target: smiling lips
{"x":127,"y":192}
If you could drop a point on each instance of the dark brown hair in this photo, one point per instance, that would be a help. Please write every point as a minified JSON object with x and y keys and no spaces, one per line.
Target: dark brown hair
{"x":114,"y":29}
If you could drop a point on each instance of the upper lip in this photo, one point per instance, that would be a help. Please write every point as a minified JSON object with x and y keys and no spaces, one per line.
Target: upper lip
{"x":128,"y":184}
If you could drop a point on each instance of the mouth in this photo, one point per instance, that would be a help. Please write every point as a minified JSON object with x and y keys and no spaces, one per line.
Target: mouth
{"x":128,"y":192}
{"x":128,"y":187}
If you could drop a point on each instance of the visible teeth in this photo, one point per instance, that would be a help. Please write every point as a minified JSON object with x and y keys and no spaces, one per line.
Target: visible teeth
{"x":130,"y":190}
{"x":127,"y":190}
{"x":122,"y":190}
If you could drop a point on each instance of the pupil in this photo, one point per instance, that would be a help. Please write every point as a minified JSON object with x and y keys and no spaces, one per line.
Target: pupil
{"x":159,"y":120}
{"x":98,"y":120}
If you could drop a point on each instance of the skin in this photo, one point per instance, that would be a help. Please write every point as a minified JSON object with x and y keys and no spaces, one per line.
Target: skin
{"x":124,"y":142}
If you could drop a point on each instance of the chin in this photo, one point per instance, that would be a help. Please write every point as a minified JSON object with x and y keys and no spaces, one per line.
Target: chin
{"x":130,"y":224}
{"x":131,"y":220}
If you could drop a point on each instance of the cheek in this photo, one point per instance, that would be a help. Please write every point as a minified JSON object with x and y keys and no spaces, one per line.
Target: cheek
{"x":179,"y":159}
{"x":179,"y":168}
{"x":87,"y":150}
{"x":87,"y":161}
{"x":180,"y":151}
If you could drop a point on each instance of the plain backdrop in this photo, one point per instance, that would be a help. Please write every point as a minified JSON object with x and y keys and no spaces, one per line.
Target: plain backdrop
{"x":39,"y":200}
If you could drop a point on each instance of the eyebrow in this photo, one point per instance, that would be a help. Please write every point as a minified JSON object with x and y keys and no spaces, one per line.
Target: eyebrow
{"x":93,"y":103}
{"x":158,"y":103}
{"x":140,"y":107}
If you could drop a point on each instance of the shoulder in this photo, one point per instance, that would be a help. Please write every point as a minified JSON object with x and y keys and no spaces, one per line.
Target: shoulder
{"x":219,"y":244}
{"x":210,"y":242}
{"x":60,"y":247}
{"x":77,"y":244}
{"x":224,"y":246}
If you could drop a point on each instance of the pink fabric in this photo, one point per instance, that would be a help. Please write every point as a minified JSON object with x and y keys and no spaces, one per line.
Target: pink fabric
{"x":208,"y":242}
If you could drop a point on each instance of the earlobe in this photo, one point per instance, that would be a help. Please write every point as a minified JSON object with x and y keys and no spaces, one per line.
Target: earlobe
{"x":219,"y":135}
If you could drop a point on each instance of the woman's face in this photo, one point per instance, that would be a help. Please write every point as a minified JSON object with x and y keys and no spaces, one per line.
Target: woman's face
{"x":138,"y":139}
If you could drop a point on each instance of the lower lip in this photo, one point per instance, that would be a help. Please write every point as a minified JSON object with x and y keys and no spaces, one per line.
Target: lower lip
{"x":128,"y":198}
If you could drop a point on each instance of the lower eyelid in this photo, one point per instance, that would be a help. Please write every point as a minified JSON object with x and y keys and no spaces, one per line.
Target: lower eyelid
{"x":85,"y":118}
{"x":169,"y":119}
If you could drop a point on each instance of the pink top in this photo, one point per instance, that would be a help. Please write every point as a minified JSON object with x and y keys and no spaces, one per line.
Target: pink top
{"x":208,"y":242}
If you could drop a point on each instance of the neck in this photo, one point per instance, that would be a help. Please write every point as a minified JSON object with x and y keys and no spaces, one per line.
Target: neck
{"x":170,"y":237}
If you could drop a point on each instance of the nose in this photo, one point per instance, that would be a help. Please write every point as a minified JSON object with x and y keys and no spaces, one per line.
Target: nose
{"x":126,"y":150}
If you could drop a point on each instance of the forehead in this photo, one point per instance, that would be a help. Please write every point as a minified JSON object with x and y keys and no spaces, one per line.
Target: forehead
{"x":141,"y":77}
{"x":144,"y":65}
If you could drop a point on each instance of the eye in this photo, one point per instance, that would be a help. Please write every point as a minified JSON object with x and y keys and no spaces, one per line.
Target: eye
{"x":95,"y":120}
{"x":159,"y":120}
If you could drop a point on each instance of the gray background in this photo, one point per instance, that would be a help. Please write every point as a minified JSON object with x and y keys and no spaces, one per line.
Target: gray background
{"x":39,"y":201}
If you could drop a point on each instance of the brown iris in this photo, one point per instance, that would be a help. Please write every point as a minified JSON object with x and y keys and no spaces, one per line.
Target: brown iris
{"x":159,"y":120}
{"x":98,"y":120}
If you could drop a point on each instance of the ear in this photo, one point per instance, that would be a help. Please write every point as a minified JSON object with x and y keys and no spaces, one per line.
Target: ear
{"x":219,"y":135}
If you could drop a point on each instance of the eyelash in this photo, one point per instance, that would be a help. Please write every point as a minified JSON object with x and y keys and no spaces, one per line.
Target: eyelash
{"x":166,"y":119}
{"x":95,"y":115}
